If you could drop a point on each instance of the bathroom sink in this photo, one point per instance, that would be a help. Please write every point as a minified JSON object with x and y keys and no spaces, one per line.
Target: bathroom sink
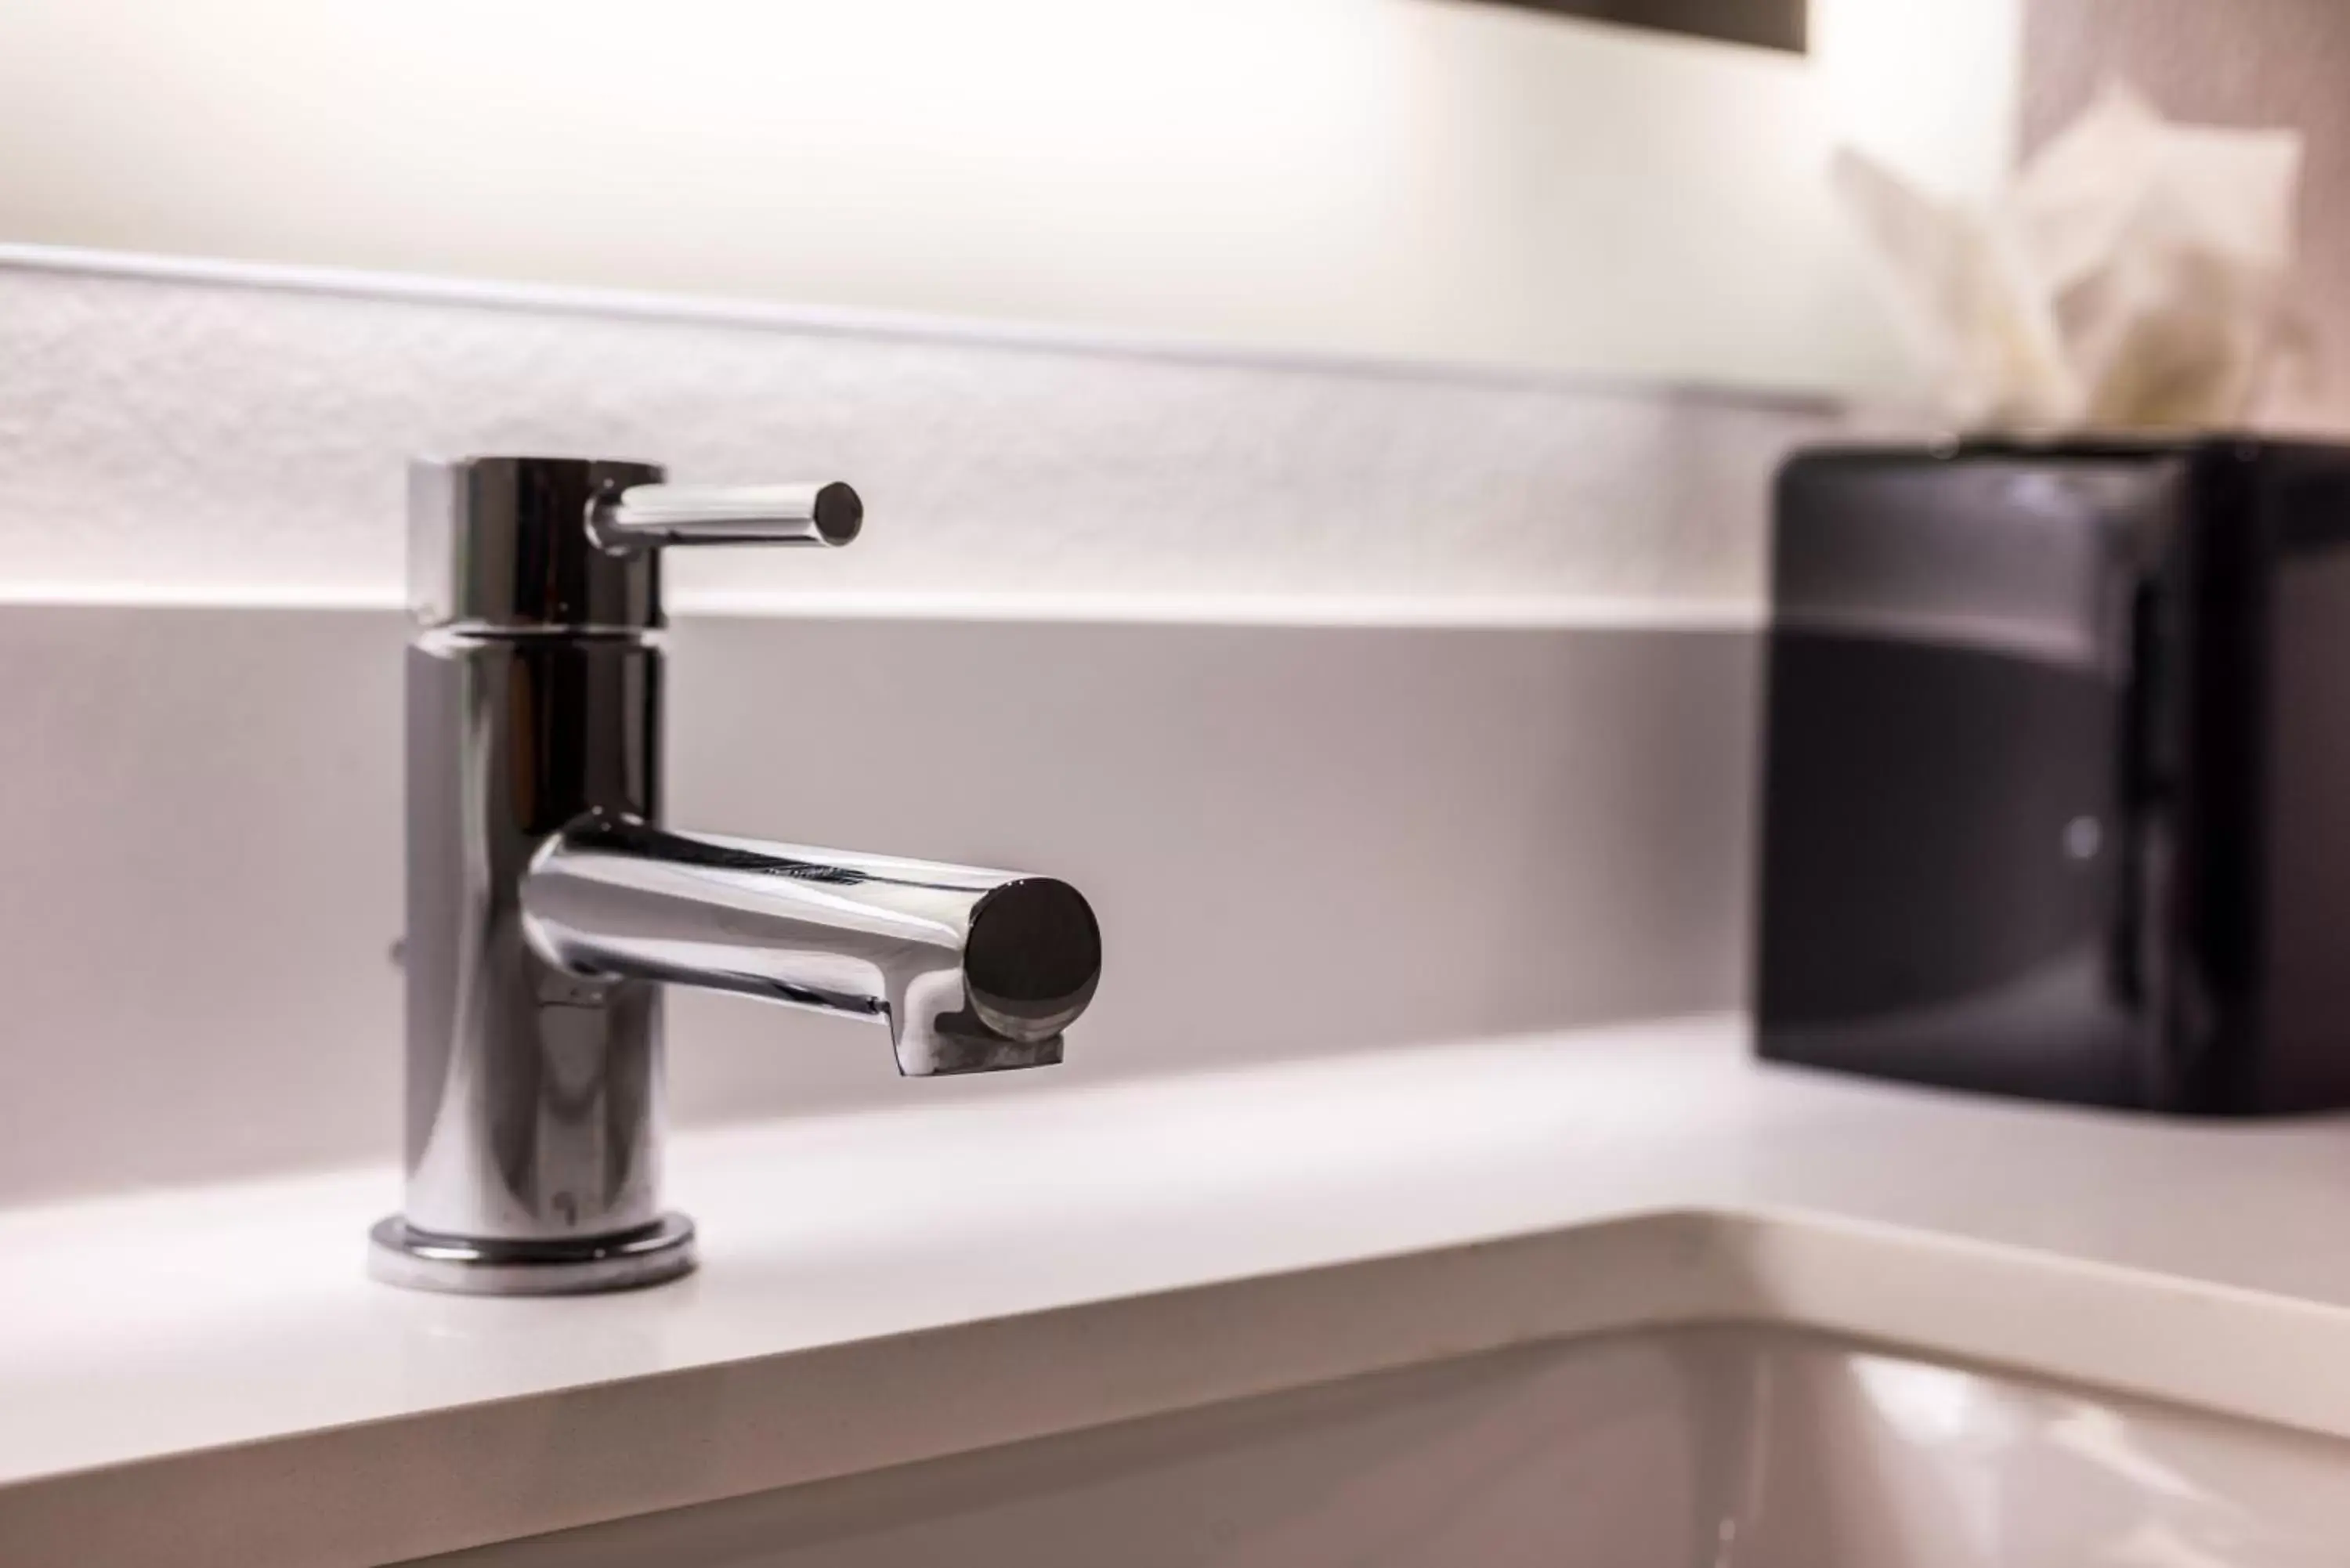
{"x":1615,"y":1302}
{"x":1716,"y":1448}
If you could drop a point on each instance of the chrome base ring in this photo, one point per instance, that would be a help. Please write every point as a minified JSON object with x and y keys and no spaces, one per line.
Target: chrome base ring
{"x":481,"y":1266}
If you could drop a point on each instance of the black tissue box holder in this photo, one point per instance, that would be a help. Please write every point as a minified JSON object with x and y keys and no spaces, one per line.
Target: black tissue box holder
{"x":2056,"y":771}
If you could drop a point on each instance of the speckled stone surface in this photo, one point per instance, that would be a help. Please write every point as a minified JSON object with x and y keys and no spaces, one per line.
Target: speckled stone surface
{"x":222,"y":439}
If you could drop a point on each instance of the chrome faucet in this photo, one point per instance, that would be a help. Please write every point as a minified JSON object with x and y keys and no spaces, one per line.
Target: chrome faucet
{"x":547,"y":905}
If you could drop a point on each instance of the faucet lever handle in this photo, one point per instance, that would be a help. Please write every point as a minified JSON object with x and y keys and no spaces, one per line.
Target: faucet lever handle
{"x":640,"y":517}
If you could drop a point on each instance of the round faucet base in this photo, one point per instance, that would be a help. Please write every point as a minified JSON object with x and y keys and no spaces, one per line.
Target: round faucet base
{"x":398,"y":1255}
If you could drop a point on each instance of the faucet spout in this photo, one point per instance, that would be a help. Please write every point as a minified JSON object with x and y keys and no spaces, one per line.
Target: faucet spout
{"x":974,"y":971}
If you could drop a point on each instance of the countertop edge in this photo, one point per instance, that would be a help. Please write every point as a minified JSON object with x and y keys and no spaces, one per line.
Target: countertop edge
{"x":441,"y":1479}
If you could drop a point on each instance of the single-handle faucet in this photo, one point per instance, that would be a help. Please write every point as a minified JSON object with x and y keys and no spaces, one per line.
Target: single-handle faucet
{"x":548,"y":904}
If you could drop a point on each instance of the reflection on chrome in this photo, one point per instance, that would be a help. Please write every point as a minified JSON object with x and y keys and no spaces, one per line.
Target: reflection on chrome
{"x":548,"y":904}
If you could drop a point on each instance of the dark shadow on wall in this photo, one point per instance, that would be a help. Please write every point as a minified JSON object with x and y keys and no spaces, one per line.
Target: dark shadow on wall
{"x":1771,"y":23}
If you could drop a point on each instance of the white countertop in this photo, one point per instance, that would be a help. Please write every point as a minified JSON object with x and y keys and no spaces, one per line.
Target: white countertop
{"x":207,"y":1375}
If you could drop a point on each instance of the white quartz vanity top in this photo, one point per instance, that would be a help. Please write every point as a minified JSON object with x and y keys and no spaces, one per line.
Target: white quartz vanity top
{"x":207,"y":1375}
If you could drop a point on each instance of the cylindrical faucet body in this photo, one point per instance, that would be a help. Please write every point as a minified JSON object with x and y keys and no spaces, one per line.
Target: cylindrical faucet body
{"x":533,"y":1093}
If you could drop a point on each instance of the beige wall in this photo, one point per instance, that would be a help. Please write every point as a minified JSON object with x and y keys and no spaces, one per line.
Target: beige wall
{"x":2237,"y":62}
{"x":1421,"y":179}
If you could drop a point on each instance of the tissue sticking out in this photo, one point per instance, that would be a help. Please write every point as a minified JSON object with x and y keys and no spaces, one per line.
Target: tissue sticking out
{"x":2133,"y":277}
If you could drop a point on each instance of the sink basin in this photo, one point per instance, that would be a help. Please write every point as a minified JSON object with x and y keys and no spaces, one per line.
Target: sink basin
{"x":1703,"y":1448}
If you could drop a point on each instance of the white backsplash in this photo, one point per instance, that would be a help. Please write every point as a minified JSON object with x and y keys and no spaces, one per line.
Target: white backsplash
{"x":1368,"y":706}
{"x":216,"y":436}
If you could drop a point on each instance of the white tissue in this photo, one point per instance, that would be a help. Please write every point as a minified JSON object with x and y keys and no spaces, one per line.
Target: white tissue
{"x":2133,"y":277}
